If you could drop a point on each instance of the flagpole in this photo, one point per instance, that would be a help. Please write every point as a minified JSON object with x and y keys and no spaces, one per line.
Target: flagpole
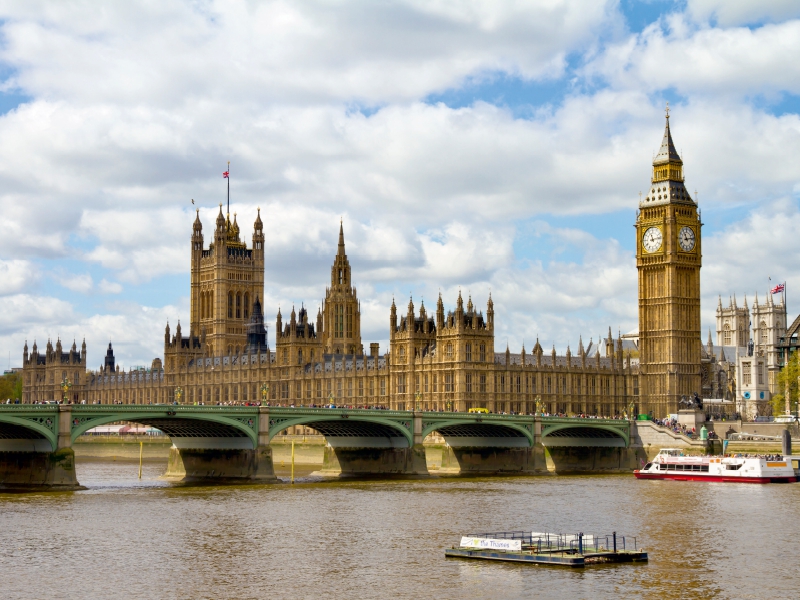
{"x":229,"y":187}
{"x":785,"y":310}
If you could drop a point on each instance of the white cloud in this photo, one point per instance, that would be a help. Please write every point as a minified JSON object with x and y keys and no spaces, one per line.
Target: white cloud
{"x":741,"y":12}
{"x":109,"y":287}
{"x":718,"y":62}
{"x":281,"y":52}
{"x":16,"y":276}
{"x":82,"y":283}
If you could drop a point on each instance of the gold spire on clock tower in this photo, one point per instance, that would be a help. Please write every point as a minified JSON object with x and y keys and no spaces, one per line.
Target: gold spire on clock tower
{"x":668,"y":259}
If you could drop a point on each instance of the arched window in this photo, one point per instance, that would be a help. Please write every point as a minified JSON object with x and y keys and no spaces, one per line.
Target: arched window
{"x":402,"y":354}
{"x":246,"y":306}
{"x":338,"y":321}
{"x":742,"y":341}
{"x":764,"y":333}
{"x":238,"y":306}
{"x":468,"y":353}
{"x":449,"y":350}
{"x":341,"y":276}
{"x":230,"y":307}
{"x":726,"y":335}
{"x":299,"y":357}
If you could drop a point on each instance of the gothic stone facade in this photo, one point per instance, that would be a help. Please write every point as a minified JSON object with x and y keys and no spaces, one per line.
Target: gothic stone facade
{"x":443,"y":363}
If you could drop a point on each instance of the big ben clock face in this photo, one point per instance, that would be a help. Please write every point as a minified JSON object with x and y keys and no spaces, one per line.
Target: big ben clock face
{"x":686,"y":239}
{"x":652,"y":239}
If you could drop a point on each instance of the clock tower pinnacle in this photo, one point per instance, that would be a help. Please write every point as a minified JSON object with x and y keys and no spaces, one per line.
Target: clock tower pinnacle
{"x":668,"y":259}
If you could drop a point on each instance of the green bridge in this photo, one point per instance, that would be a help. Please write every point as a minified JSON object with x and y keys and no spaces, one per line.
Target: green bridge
{"x":232,"y":444}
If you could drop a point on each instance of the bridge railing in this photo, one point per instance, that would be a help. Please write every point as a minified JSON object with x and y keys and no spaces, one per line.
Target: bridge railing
{"x":571,"y":543}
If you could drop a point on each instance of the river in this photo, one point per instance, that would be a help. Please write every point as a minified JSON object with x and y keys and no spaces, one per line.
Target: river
{"x":130,"y":538}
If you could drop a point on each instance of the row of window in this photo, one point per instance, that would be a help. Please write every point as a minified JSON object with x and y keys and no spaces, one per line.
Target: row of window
{"x":477,"y":382}
{"x":448,"y":352}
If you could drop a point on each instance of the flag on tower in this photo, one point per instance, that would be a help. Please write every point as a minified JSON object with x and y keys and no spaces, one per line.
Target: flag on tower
{"x":778,"y":288}
{"x":225,"y":174}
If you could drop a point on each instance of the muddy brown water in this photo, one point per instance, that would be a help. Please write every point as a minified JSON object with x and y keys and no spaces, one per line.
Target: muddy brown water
{"x":130,"y":538}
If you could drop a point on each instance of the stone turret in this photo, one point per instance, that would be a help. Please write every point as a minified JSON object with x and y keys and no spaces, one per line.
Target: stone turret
{"x":109,"y":361}
{"x":393,"y":319}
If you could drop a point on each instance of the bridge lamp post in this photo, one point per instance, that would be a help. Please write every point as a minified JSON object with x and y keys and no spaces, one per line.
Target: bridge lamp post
{"x":449,"y":406}
{"x":66,"y":384}
{"x":264,"y":393}
{"x":417,"y":397}
{"x":538,"y":410}
{"x":178,"y":394}
{"x":331,"y":398}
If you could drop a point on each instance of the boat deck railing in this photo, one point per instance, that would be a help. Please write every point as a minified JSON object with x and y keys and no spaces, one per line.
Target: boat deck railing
{"x":572,"y":543}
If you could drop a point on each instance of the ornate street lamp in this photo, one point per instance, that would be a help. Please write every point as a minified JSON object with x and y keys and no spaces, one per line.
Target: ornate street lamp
{"x":178,"y":394}
{"x":66,"y":384}
{"x":539,"y":407}
{"x":449,"y":406}
{"x":264,"y":392}
{"x":417,"y":397}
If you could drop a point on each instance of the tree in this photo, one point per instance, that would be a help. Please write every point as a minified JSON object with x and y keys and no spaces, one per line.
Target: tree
{"x":778,"y":404}
{"x":787,"y":382}
{"x":11,"y":387}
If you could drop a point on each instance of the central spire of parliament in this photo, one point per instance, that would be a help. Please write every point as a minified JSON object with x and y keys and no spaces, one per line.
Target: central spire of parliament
{"x":341,"y":308}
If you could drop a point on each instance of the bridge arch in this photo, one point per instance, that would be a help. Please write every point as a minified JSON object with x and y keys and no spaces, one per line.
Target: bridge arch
{"x":351,"y":429}
{"x":585,"y":434}
{"x":471,"y":432}
{"x":28,"y":433}
{"x":242,"y":432}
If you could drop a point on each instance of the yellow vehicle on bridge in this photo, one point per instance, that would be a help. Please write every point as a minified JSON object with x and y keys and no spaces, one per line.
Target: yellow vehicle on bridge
{"x":479,"y":410}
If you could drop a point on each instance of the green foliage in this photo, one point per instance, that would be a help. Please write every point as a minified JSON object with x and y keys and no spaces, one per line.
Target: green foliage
{"x":787,"y":378}
{"x":778,"y":404}
{"x":11,"y":386}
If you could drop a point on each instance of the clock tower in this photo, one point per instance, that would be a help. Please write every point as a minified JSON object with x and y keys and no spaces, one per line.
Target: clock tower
{"x":668,"y":258}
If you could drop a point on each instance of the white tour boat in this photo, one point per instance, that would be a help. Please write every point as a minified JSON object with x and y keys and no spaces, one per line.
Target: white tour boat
{"x":670,"y":463}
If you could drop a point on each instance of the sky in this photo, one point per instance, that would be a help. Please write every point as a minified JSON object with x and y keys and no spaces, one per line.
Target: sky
{"x":470,"y":145}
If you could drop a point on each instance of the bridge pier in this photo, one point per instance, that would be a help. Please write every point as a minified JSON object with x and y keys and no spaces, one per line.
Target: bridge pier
{"x":361,"y":461}
{"x":486,"y":460}
{"x":29,"y":462}
{"x":223,"y":459}
{"x":349,"y":456}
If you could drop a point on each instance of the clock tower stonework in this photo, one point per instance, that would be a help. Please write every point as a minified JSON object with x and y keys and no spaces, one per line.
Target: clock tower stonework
{"x":668,"y":259}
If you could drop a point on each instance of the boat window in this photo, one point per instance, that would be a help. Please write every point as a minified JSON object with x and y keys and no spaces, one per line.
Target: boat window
{"x":733,"y":467}
{"x":704,"y":468}
{"x":647,"y":466}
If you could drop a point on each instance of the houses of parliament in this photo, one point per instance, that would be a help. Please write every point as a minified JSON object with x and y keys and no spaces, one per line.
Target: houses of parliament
{"x":444,"y":359}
